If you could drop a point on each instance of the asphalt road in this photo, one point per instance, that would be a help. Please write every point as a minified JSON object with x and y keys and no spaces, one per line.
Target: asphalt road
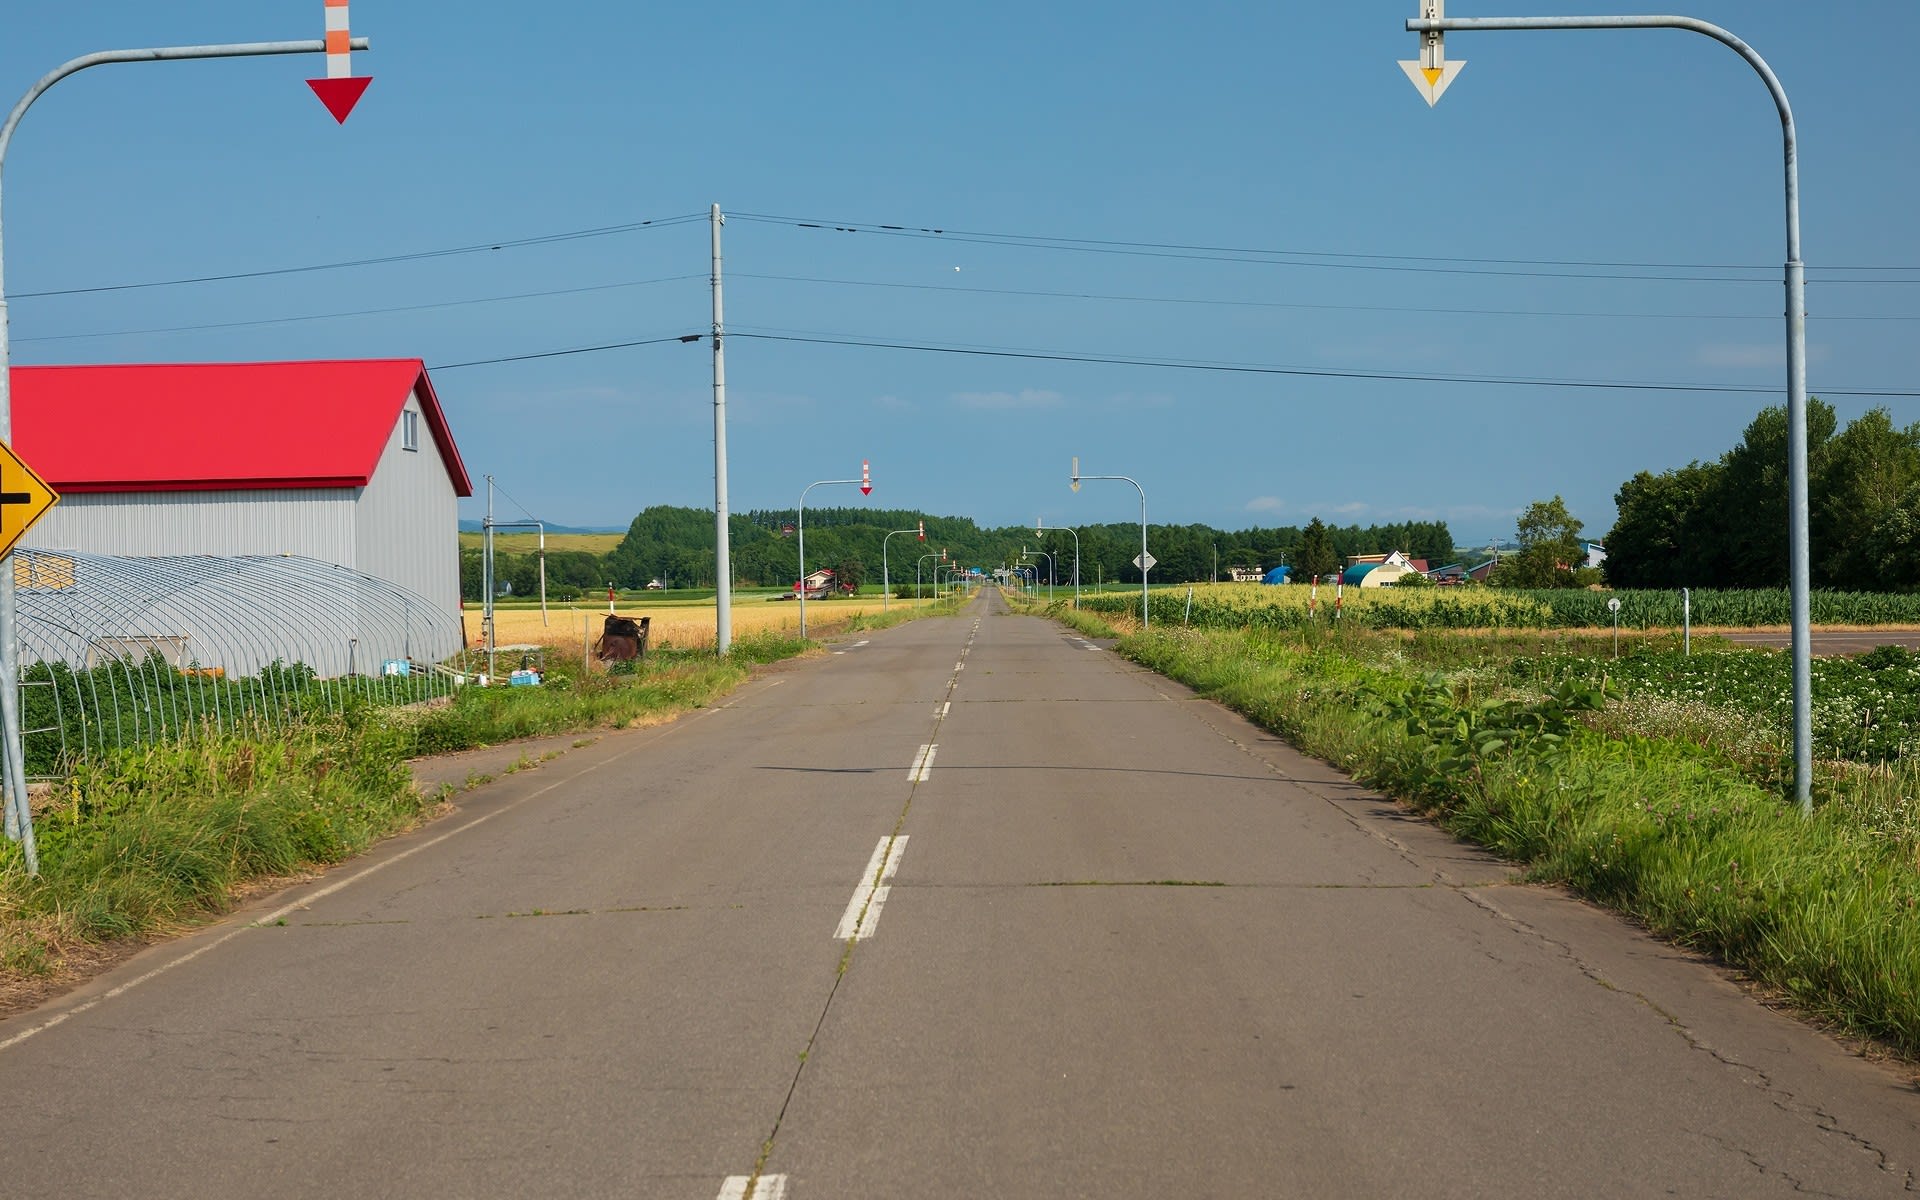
{"x":969,"y":909}
{"x":1828,"y":642}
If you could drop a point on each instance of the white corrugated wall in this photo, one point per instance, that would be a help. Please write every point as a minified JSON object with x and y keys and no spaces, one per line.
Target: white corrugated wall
{"x":311,"y":522}
{"x":407,"y":524}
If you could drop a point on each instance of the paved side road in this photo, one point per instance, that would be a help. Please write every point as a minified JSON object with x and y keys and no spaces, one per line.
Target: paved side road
{"x":973,"y":908}
{"x":1830,"y":642}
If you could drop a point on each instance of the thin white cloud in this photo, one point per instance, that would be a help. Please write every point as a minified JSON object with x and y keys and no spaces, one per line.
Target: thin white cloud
{"x":1025,"y":398}
{"x":1266,"y":504}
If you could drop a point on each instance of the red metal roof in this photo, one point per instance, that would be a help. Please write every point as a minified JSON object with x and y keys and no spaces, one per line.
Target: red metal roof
{"x":195,"y":427}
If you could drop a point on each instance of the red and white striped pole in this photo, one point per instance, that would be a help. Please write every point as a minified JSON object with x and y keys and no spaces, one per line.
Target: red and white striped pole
{"x":339,"y":91}
{"x":1339,"y":593}
{"x":1313,"y":596}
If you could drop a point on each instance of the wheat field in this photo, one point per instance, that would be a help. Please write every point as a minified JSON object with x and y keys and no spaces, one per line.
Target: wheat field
{"x":681,"y":626}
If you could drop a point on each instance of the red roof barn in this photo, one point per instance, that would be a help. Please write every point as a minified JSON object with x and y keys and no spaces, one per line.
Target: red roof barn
{"x":346,"y":462}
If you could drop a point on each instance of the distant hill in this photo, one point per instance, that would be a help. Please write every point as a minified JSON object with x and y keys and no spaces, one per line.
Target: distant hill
{"x":675,"y":544}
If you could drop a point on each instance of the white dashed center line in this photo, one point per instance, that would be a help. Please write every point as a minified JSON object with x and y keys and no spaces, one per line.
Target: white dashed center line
{"x":770,"y":1187}
{"x":923,"y":763}
{"x":863,"y":911}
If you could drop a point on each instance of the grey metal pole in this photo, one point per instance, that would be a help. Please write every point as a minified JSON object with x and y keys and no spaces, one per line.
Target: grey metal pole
{"x":17,"y":810}
{"x":722,"y":536}
{"x":1143,"y":535}
{"x":886,"y":587}
{"x":487,"y":583}
{"x":1796,"y":288}
{"x":802,"y":523}
{"x":1039,"y":527}
{"x":1051,"y":569}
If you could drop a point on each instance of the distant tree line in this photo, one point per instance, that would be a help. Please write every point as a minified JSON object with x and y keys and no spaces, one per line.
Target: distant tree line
{"x":1723,"y":524}
{"x":675,"y":545}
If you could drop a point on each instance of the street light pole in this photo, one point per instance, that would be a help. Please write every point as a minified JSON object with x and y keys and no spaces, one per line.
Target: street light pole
{"x":1796,"y":295}
{"x":802,"y":524}
{"x":1052,"y":567}
{"x":1038,"y":528}
{"x":917,"y":564}
{"x":1145,"y":562}
{"x":886,"y":588}
{"x":19,"y":819}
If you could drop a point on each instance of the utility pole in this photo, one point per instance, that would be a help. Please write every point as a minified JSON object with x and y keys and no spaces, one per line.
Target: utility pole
{"x":722,"y":541}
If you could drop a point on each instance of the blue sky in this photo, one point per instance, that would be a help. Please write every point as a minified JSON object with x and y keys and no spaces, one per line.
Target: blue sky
{"x":1229,"y":184}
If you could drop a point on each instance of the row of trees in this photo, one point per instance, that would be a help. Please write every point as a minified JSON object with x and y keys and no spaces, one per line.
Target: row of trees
{"x":1724,"y":523}
{"x":675,"y":545}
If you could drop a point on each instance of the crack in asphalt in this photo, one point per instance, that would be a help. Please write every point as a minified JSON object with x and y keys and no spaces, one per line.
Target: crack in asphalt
{"x":847,"y":951}
{"x":1777,"y":1095}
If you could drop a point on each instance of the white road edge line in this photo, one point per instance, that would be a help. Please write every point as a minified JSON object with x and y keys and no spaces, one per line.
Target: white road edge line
{"x":863,"y":911}
{"x":770,"y":1187}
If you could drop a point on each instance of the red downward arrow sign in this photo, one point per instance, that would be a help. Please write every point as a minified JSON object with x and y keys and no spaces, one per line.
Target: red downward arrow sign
{"x":340,"y":95}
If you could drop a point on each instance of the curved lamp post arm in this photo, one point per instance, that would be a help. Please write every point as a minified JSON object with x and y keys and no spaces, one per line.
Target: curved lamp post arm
{"x":18,"y":819}
{"x":1038,"y":528}
{"x":802,"y":525}
{"x":885,"y":586}
{"x":1799,"y":578}
{"x":1143,"y":535}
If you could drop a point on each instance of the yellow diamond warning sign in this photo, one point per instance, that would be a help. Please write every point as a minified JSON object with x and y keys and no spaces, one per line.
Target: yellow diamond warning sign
{"x":24,"y":498}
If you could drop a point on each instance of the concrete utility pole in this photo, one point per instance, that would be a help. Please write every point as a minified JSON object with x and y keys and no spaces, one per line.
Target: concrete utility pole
{"x":1433,"y":26}
{"x":19,"y":821}
{"x":722,"y":536}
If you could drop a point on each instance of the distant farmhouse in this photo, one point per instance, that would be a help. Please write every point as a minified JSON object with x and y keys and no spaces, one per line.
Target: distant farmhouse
{"x":1381,"y":570}
{"x":349,"y":463}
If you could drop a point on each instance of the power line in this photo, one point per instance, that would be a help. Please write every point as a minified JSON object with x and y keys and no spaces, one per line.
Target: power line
{"x":478,"y":248}
{"x":1302,"y":258}
{"x":1309,"y":372}
{"x":514,"y":358}
{"x":1190,"y":365}
{"x":1476,"y":312}
{"x":363,"y":312}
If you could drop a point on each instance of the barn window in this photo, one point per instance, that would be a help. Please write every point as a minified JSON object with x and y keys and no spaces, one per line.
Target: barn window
{"x":409,"y":430}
